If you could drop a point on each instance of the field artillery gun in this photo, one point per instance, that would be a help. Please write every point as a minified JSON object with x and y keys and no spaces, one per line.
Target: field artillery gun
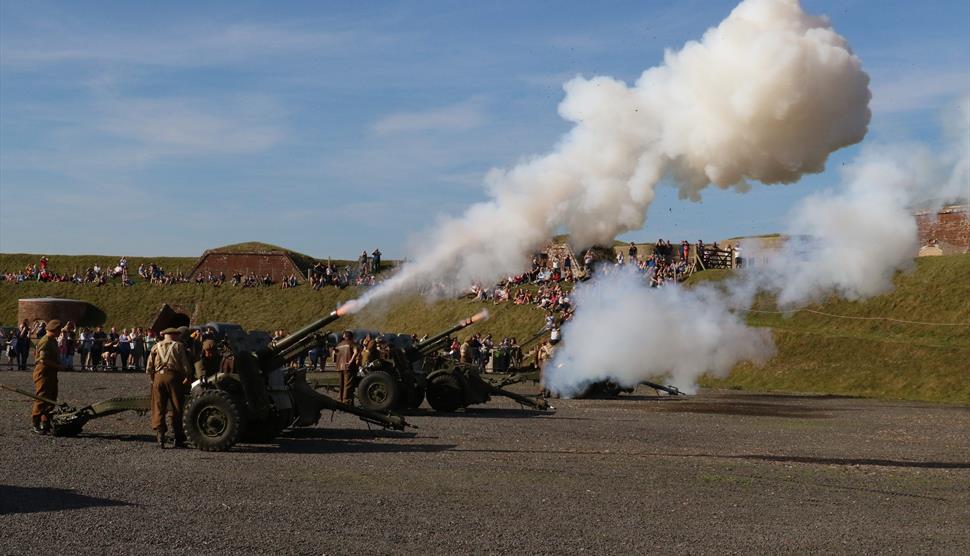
{"x":418,"y":371}
{"x":254,"y":401}
{"x":262,"y":396}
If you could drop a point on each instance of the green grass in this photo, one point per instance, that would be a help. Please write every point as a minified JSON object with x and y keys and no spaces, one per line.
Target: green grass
{"x":269,"y":308}
{"x":68,"y":264}
{"x":816,"y":353}
{"x":876,"y":358}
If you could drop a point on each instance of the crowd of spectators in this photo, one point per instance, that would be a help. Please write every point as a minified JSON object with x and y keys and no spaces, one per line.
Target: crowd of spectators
{"x":361,"y":273}
{"x":84,"y":349}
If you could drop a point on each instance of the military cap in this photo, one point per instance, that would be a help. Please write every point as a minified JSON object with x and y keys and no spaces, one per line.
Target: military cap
{"x":183,"y":330}
{"x":53,"y":324}
{"x":171,"y":331}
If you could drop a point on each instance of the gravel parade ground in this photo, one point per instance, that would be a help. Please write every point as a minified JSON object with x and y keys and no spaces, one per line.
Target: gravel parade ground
{"x":720,"y":472}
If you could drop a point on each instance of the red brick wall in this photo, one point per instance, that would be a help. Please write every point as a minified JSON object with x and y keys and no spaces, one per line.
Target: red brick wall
{"x":951,"y":226}
{"x":46,"y":309}
{"x":276,"y":265}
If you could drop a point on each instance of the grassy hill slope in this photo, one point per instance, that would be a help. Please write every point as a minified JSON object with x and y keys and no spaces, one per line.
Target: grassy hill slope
{"x":268,"y":308}
{"x":816,"y":353}
{"x":865,"y":355}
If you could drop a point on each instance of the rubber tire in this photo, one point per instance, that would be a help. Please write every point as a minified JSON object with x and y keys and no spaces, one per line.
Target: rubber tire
{"x":378,"y":391}
{"x":444,"y":393}
{"x":209,"y":405}
{"x":414,"y":397}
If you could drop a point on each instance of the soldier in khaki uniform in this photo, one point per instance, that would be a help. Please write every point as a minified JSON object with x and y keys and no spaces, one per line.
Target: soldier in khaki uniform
{"x":545,"y":354}
{"x":168,"y":369}
{"x":47,"y":356}
{"x":210,"y":362}
{"x":465,"y":352}
{"x":346,"y":357}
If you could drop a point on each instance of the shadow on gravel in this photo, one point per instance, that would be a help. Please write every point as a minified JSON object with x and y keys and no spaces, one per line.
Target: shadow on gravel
{"x":750,"y":409}
{"x":781,"y":396}
{"x":752,"y":457}
{"x":322,"y":446}
{"x":645,"y":398}
{"x":327,"y":433}
{"x":485,"y":413}
{"x":25,"y":500}
{"x":147,"y":438}
{"x":856,"y":461}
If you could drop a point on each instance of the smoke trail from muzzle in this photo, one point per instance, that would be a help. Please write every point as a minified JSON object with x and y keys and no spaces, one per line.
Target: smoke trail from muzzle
{"x":766,"y":95}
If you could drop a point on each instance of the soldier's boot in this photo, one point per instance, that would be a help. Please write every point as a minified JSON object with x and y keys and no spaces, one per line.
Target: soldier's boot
{"x":37,"y":427}
{"x":160,"y":439}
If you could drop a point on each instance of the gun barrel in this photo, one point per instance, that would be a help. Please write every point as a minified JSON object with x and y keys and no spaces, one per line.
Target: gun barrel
{"x":423,"y":345}
{"x":284,"y":343}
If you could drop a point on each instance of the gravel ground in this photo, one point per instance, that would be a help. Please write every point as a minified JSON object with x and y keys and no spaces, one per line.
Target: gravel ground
{"x":721,"y":472}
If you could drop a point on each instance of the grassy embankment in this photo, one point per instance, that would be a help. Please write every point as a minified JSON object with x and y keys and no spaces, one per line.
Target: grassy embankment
{"x":254,"y":308}
{"x":877,"y":358}
{"x":816,"y":353}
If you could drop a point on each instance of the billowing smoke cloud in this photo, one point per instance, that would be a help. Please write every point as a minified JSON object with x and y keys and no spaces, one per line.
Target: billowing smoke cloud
{"x":767,"y":95}
{"x":627,"y":332}
{"x":849,"y":242}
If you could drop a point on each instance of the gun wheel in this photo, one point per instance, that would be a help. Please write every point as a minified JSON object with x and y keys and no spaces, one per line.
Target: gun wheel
{"x":444,"y":393}
{"x":213,"y":421}
{"x":378,"y":391}
{"x":414,"y":397}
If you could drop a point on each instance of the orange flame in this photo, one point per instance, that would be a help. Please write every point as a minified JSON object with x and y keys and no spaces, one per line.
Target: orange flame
{"x":480,"y":316}
{"x":348,"y":307}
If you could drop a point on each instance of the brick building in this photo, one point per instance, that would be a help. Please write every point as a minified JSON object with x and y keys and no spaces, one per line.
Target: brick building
{"x":946,"y":231}
{"x":259,"y":258}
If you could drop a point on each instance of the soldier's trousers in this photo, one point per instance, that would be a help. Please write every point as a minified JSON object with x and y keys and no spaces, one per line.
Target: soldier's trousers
{"x":167,"y":388}
{"x":45,"y":385}
{"x":345,"y":386}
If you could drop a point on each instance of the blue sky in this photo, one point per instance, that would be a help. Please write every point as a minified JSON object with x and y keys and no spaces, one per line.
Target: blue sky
{"x":326,"y":127}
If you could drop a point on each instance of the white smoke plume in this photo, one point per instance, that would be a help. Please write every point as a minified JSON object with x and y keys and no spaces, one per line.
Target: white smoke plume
{"x":766,"y":95}
{"x":849,"y":242}
{"x":627,"y":332}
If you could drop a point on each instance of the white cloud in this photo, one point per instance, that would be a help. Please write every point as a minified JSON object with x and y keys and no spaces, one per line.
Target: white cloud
{"x":548,"y":80}
{"x":464,"y":115}
{"x":193,"y":46}
{"x":920,"y":90}
{"x":183,"y":126}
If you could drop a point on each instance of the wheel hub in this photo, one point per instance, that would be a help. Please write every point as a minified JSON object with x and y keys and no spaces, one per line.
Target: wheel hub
{"x":377,"y":393}
{"x":212,"y":421}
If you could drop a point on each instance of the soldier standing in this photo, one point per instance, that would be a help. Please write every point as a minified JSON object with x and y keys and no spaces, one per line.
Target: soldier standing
{"x":345,"y":357}
{"x":47,"y":362}
{"x":168,"y":369}
{"x":465,"y":352}
{"x":209,"y":363}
